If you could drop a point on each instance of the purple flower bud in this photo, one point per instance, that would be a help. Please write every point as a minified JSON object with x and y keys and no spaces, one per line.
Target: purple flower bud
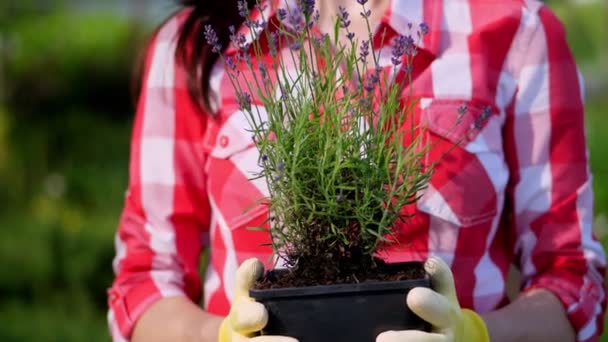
{"x":212,"y":39}
{"x":295,"y":18}
{"x":350,"y":35}
{"x":282,"y":13}
{"x":316,"y":17}
{"x":244,"y":101}
{"x":344,"y":22}
{"x":231,"y":63}
{"x":272,"y":43}
{"x":424,"y":28}
{"x":295,"y":46}
{"x":404,"y":45}
{"x":238,"y":40}
{"x":307,"y":6}
{"x":364,"y":102}
{"x":366,"y":14}
{"x":485,"y":114}
{"x":263,"y":71}
{"x":247,"y":58}
{"x":364,"y":50}
{"x":243,"y":8}
{"x":255,"y":24}
{"x":362,"y":2}
{"x":462,"y":110}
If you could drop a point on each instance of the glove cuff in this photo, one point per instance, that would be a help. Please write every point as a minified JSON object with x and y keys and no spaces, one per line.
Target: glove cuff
{"x":224,"y":334}
{"x":474,"y":327}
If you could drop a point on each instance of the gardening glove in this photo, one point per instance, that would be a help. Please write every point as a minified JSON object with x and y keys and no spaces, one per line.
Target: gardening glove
{"x":246,"y":316}
{"x":441,"y":309}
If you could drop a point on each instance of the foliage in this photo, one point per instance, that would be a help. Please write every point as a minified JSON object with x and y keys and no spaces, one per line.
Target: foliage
{"x":51,"y":60}
{"x":338,"y":147}
{"x":585,"y":27}
{"x":65,"y":120}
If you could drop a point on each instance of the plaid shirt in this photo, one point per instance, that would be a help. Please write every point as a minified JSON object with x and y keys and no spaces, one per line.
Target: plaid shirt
{"x":517,"y":191}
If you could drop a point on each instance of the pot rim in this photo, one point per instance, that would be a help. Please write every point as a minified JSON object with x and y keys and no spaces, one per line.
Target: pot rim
{"x":343,"y":288}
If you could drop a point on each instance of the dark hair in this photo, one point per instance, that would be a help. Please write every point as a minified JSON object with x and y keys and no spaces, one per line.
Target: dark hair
{"x":193,"y":52}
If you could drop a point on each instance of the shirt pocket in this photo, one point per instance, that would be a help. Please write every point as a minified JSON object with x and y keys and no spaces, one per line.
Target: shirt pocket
{"x":234,"y":189}
{"x":470,"y":174}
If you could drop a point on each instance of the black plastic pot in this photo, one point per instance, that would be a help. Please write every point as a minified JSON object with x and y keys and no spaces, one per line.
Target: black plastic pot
{"x":344,"y":312}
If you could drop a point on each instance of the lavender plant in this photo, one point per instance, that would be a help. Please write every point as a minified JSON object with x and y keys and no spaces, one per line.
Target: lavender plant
{"x":338,"y":144}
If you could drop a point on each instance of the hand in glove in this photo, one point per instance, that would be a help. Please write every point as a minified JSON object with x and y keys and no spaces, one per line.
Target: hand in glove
{"x":441,"y":309}
{"x":246,"y":316}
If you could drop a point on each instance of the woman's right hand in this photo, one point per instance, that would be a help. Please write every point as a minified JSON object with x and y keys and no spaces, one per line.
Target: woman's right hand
{"x":246,"y":316}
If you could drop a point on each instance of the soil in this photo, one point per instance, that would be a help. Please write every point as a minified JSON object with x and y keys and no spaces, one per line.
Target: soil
{"x":330,"y":272}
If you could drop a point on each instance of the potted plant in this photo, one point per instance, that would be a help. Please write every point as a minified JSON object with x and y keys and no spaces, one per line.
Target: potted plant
{"x":342,"y":156}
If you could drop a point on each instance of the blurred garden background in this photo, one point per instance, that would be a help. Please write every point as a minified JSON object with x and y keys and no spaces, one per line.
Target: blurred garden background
{"x":65,"y":119}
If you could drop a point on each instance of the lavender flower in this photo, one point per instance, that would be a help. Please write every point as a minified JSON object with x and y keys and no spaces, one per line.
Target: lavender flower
{"x":212,"y":39}
{"x":404,"y":45}
{"x":243,"y":8}
{"x":364,"y":50}
{"x":238,"y":39}
{"x":462,"y":111}
{"x":244,"y":101}
{"x":296,"y":19}
{"x":247,"y":58}
{"x":272,"y":43}
{"x":316,"y":16}
{"x":295,"y":46}
{"x":424,"y":28}
{"x":280,"y":169}
{"x":255,"y":24}
{"x":364,"y":102}
{"x":307,"y":6}
{"x":231,"y":63}
{"x":362,"y":2}
{"x":350,"y":35}
{"x":321,"y":38}
{"x":282,"y":13}
{"x":485,"y":114}
{"x":263,"y":71}
{"x":344,"y":22}
{"x":366,"y":14}
{"x":372,"y":80}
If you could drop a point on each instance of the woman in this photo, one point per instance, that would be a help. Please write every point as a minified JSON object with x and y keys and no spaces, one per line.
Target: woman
{"x":518,"y":192}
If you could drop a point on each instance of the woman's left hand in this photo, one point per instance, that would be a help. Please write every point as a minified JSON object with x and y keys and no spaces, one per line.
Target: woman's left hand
{"x":441,"y":309}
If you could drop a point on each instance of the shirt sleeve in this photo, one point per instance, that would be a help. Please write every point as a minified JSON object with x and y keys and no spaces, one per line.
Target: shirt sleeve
{"x":165,"y":220}
{"x":551,"y":189}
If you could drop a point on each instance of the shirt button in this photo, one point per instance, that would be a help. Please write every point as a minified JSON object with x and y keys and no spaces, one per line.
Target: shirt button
{"x":224,"y":141}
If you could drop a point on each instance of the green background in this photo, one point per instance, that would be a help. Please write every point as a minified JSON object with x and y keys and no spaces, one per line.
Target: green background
{"x":65,"y":121}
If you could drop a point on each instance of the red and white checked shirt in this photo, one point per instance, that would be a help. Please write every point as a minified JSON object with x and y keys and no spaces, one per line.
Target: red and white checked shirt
{"x":518,"y":191}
